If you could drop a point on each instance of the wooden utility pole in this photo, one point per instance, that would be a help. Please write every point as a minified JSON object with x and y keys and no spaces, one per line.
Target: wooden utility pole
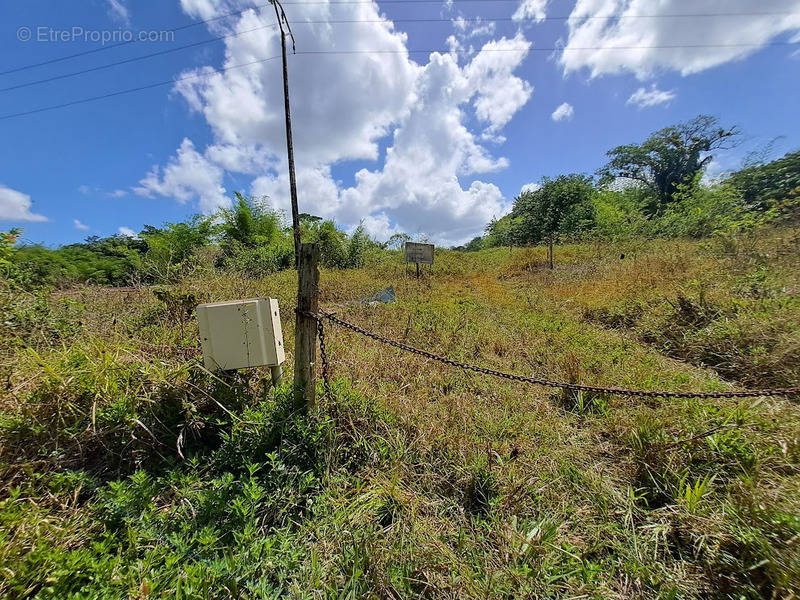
{"x":282,"y":20}
{"x":306,"y":259}
{"x":305,"y":336}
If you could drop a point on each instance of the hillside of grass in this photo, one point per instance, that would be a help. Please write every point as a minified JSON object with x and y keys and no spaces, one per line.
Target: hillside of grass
{"x":130,"y":472}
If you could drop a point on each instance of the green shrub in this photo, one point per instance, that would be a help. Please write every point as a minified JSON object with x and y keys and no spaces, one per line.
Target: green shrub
{"x":700,"y":211}
{"x":249,"y":223}
{"x":256,"y":261}
{"x":105,"y":261}
{"x":772,"y":185}
{"x":337,"y":249}
{"x":172,"y":249}
{"x":621,"y":214}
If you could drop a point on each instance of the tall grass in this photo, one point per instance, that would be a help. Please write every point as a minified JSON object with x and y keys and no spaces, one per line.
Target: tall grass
{"x":129,"y":472}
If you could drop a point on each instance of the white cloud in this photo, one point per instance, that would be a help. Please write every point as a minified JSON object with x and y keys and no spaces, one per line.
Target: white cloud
{"x":379,"y":228}
{"x":88,"y":190}
{"x":16,"y":206}
{"x":714,"y":172}
{"x":80,"y":226}
{"x":460,"y":24}
{"x":499,"y":93}
{"x":531,"y":9}
{"x":241,"y":159}
{"x":564,"y":111}
{"x":189,"y":175}
{"x":119,"y":12}
{"x":644,"y":98}
{"x":418,"y":188}
{"x":454,"y":45}
{"x":483,"y":29}
{"x":722,"y":166}
{"x":530,"y":187}
{"x":695,"y":43}
{"x":317,"y":191}
{"x":352,"y":98}
{"x":127,"y":232}
{"x":342,"y":106}
{"x":469,"y":28}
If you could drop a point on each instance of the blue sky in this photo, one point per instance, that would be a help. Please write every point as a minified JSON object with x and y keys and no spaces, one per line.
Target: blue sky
{"x":432,"y":145}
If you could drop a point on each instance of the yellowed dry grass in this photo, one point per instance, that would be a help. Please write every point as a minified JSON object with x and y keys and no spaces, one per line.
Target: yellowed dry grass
{"x":571,"y":511}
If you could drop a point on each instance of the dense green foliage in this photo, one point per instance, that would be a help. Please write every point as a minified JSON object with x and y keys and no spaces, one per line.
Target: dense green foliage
{"x":669,"y":157}
{"x":337,"y":249}
{"x":7,"y":252}
{"x":560,"y":206}
{"x":253,"y":239}
{"x":250,"y":238}
{"x":666,"y":198}
{"x":170,"y":250}
{"x":112,"y":260}
{"x":772,"y":185}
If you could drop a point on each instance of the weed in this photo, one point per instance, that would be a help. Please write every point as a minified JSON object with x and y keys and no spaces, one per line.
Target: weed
{"x":692,"y":493}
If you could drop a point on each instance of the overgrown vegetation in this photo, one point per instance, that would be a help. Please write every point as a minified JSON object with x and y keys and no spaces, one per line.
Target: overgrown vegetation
{"x":654,"y":190}
{"x":669,"y":158}
{"x":128,"y":471}
{"x":109,"y":260}
{"x":249,"y":238}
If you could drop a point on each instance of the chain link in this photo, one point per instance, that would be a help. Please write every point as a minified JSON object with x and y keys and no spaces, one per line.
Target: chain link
{"x":323,"y":355}
{"x":793,"y":391}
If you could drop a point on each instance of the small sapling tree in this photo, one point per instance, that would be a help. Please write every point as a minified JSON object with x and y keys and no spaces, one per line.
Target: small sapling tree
{"x":561,"y":206}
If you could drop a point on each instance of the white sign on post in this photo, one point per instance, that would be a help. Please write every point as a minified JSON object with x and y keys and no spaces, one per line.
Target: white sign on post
{"x":419,"y":253}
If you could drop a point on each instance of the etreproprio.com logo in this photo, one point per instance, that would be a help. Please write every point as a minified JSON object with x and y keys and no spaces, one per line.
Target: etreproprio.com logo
{"x":45,"y":34}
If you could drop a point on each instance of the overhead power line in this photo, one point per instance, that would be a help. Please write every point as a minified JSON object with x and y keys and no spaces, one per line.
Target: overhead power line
{"x":378,"y":51}
{"x":111,"y":46}
{"x":132,"y":60}
{"x":485,"y":19}
{"x":135,"y":89}
{"x":475,"y":21}
{"x":380,"y":2}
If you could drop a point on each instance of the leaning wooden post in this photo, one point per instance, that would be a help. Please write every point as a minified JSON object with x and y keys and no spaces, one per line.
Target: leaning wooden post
{"x":305,"y":337}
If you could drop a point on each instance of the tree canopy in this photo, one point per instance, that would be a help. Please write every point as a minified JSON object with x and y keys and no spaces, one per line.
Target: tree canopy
{"x":669,"y":157}
{"x":775,"y":184}
{"x":560,"y":206}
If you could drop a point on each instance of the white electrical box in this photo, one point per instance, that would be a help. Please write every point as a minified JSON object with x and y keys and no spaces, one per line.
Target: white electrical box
{"x":240,"y":334}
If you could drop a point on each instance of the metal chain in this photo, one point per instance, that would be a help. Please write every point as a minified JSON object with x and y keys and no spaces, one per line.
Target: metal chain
{"x":793,"y":391}
{"x":323,"y":355}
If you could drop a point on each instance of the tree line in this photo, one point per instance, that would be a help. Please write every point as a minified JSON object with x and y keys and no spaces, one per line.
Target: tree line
{"x":250,"y":238}
{"x":653,"y":189}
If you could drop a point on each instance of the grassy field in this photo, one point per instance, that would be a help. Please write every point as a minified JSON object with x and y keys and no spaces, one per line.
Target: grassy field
{"x":129,"y":472}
